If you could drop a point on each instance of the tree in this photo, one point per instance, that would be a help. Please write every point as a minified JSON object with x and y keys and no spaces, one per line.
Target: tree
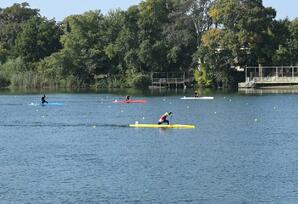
{"x":293,"y":42}
{"x":11,"y":20}
{"x":242,"y":33}
{"x":198,"y":12}
{"x":250,"y":22}
{"x":181,"y":36}
{"x":39,"y":38}
{"x":118,"y":39}
{"x":84,"y":42}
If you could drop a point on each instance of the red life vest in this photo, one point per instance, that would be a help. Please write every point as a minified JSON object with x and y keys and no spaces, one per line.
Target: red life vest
{"x":163,"y":118}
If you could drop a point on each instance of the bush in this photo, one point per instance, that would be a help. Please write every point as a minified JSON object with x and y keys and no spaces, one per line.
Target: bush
{"x":25,"y":80}
{"x":141,"y":81}
{"x":74,"y":82}
{"x":4,"y":82}
{"x":13,"y":66}
{"x":202,"y":77}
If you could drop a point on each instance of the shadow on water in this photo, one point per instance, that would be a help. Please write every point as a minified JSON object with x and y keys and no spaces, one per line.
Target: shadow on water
{"x":11,"y":104}
{"x":270,"y":90}
{"x":119,"y":91}
{"x":153,"y":91}
{"x":65,"y":125}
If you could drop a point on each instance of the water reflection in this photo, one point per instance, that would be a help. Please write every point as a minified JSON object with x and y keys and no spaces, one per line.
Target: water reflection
{"x":119,"y":91}
{"x":275,"y":90}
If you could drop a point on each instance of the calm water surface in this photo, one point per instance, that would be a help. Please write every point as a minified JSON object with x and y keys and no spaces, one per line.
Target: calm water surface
{"x":244,"y":150}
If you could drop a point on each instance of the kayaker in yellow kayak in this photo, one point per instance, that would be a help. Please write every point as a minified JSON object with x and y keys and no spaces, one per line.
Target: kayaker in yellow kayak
{"x":163,"y":118}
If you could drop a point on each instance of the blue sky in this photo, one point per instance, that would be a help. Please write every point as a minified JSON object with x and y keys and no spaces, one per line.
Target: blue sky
{"x":59,"y":9}
{"x":284,"y":8}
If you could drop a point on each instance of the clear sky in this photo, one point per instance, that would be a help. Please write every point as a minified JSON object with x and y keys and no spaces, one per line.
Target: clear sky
{"x":59,"y":9}
{"x":284,"y":8}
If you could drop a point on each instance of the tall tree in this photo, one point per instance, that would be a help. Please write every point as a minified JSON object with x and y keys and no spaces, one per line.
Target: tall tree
{"x":39,"y":38}
{"x":153,"y":50}
{"x":11,"y":20}
{"x":117,"y":41}
{"x":293,"y":42}
{"x":242,"y":34}
{"x":181,"y":35}
{"x":198,"y":12}
{"x":84,"y":43}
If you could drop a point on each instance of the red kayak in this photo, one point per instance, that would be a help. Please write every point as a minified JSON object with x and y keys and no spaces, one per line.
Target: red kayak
{"x":130,"y":101}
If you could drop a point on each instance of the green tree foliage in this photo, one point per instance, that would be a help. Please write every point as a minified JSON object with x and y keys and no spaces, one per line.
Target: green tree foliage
{"x":38,"y":39}
{"x":198,"y":12}
{"x":293,"y":42}
{"x":11,"y":20}
{"x":202,"y":77}
{"x":287,"y":40}
{"x":242,"y":34}
{"x":83,"y":43}
{"x":152,"y":49}
{"x":119,"y":40}
{"x":249,"y":23}
{"x":180,"y":37}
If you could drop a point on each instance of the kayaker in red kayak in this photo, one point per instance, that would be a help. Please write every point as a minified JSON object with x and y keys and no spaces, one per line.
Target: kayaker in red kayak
{"x":163,"y":118}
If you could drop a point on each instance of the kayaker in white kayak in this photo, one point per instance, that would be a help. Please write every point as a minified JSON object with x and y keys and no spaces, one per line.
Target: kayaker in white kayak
{"x":127,"y":98}
{"x":163,"y":118}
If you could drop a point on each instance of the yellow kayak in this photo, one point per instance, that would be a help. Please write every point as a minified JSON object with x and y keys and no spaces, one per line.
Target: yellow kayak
{"x":162,"y":126}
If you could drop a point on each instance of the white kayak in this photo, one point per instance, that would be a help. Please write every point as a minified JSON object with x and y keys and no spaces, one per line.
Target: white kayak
{"x":198,"y":98}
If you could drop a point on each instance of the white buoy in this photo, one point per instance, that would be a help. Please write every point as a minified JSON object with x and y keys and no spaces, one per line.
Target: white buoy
{"x":137,"y":122}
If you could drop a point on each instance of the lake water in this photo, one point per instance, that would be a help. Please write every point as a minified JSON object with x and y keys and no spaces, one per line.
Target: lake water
{"x":244,"y":149}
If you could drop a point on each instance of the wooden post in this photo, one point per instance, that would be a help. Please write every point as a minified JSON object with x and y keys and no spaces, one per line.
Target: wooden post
{"x":167,"y":80}
{"x":255,"y":72}
{"x":260,"y":72}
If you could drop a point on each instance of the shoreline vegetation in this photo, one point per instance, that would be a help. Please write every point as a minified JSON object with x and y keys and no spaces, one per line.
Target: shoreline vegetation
{"x":208,"y":39}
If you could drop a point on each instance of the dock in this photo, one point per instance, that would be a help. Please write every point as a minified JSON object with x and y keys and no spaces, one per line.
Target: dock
{"x":270,"y":76}
{"x":170,"y":79}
